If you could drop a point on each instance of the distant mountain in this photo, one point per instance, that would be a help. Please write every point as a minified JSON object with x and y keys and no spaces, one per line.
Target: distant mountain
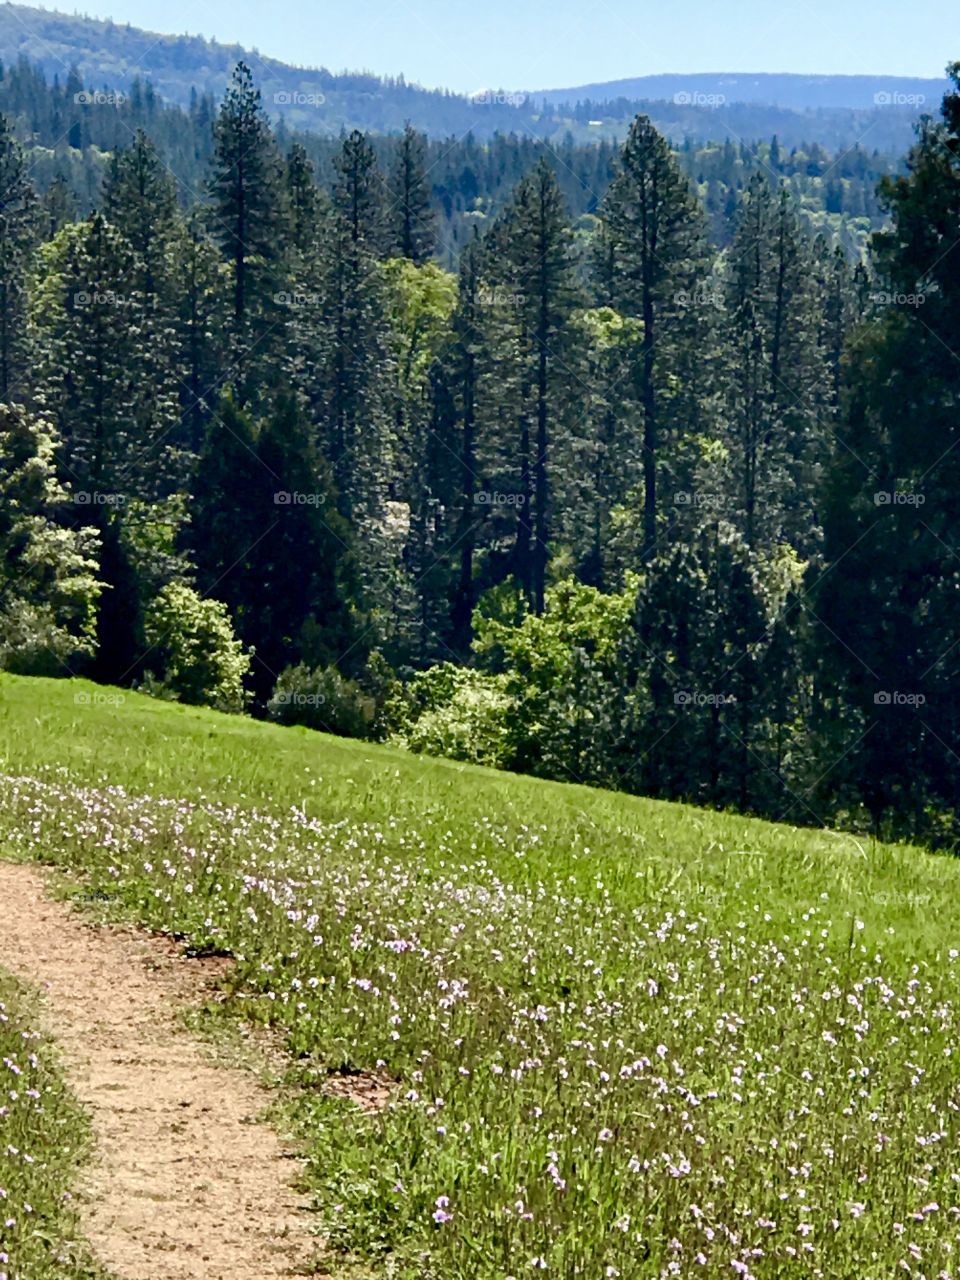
{"x":796,"y":92}
{"x":834,"y":111}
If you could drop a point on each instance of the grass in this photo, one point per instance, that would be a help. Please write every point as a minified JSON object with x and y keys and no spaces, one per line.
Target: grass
{"x":43,"y":1139}
{"x":626,"y":1038}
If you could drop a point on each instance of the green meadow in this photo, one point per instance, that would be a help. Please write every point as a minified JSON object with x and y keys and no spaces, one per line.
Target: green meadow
{"x":617,"y":1037}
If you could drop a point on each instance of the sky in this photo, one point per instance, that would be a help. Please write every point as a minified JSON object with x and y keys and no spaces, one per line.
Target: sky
{"x":544,"y":44}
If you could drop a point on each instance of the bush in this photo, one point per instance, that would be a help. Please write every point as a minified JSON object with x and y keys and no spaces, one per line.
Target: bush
{"x":321,"y":698}
{"x":455,"y":712}
{"x":49,"y":585}
{"x":192,"y":642}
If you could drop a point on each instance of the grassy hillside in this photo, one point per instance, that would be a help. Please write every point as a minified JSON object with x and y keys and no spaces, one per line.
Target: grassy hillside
{"x":624,"y":1038}
{"x":45,"y":1140}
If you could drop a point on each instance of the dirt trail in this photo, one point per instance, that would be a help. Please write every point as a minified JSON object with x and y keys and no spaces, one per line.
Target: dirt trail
{"x":184,"y":1185}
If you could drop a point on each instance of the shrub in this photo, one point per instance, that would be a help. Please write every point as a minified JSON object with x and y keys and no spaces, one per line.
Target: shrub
{"x":192,"y":642}
{"x":321,"y":698}
{"x":49,"y":586}
{"x":455,"y":712}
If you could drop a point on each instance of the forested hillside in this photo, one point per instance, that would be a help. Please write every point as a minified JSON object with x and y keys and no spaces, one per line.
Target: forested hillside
{"x":69,"y":132}
{"x":794,"y":92}
{"x":638,"y":495}
{"x":109,"y":57}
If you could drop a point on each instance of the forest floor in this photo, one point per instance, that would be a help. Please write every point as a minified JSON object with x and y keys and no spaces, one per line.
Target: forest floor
{"x":185,"y":1185}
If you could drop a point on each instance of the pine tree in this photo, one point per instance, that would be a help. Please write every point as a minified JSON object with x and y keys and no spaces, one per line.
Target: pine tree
{"x":835,"y":282}
{"x":18,"y":229}
{"x":247,"y":220}
{"x":268,"y":541}
{"x":307,"y":205}
{"x":464,"y":366}
{"x":411,"y":218}
{"x":656,"y":231}
{"x":540,"y":272}
{"x":778,"y":393}
{"x":227,"y":513}
{"x":887,"y":661}
{"x":113,"y":403}
{"x":358,"y":192}
{"x":140,"y":199}
{"x":701,"y":620}
{"x":59,"y":206}
{"x":606,"y":472}
{"x":200,"y":301}
{"x":352,"y":394}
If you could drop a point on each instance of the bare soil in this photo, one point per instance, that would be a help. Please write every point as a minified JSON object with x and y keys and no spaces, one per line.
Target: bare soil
{"x":186,"y":1184}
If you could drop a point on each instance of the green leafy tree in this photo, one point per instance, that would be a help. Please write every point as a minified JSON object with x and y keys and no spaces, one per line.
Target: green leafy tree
{"x":321,"y":698}
{"x":48,"y":572}
{"x":196,"y":655}
{"x":421,"y":300}
{"x":563,"y":677}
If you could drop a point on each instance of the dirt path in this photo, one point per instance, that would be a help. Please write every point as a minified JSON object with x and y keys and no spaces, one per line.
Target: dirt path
{"x":184,"y":1186}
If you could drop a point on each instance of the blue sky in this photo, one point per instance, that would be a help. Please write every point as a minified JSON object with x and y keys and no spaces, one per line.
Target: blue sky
{"x":535,"y":44}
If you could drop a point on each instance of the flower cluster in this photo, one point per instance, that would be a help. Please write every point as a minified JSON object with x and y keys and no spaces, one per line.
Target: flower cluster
{"x":40,"y":1134}
{"x":594,"y":1075}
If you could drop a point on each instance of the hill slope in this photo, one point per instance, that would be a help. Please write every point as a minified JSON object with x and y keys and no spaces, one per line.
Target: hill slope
{"x":111,"y":56}
{"x":615,"y":1033}
{"x":793,"y":92}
